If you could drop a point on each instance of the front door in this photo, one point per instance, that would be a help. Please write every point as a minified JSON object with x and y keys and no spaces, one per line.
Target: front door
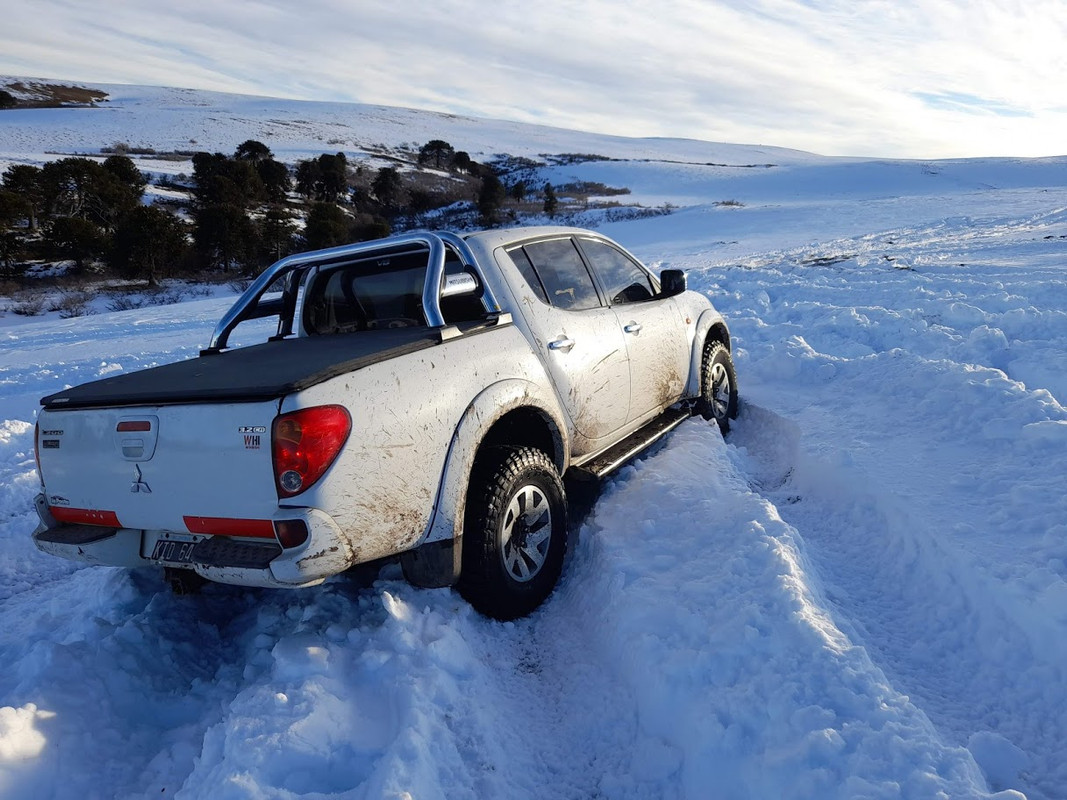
{"x":653,"y":327}
{"x":580,"y":339}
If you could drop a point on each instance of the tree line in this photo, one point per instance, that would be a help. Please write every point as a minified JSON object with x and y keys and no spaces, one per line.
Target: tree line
{"x":244,"y":211}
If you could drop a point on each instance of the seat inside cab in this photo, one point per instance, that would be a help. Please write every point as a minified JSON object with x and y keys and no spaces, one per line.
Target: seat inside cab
{"x":377,"y":293}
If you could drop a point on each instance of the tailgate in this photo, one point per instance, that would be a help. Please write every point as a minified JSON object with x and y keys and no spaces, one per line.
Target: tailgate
{"x":174,"y":467}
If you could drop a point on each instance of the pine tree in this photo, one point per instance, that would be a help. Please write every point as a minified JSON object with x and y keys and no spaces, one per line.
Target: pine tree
{"x":327,"y":226}
{"x":490,"y":199}
{"x":438,"y":151}
{"x":276,"y":231}
{"x":24,"y":180}
{"x":77,"y":239}
{"x":551,"y":201}
{"x":388,"y":187}
{"x":149,"y":243}
{"x":251,"y":150}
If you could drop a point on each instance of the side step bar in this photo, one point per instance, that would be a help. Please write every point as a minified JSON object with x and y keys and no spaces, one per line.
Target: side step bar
{"x":644,"y":437}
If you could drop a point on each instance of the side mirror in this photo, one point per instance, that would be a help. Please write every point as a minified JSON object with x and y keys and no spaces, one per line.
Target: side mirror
{"x":672,"y":282}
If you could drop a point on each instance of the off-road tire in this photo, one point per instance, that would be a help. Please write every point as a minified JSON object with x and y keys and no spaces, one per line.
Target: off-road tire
{"x":514,"y":533}
{"x":718,"y":386}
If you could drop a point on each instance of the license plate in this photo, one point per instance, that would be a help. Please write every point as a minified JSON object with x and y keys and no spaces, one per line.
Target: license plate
{"x":173,"y":552}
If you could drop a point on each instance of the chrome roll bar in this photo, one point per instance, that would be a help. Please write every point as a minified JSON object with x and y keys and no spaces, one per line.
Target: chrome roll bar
{"x":434,"y":242}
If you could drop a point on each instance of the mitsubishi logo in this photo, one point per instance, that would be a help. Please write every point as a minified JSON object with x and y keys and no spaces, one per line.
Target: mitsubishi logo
{"x":138,"y":484}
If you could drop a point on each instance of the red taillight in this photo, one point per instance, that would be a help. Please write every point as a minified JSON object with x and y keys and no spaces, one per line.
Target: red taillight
{"x":304,"y":443}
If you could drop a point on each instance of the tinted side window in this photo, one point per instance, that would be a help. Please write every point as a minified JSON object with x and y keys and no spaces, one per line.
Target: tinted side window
{"x":522,"y":261}
{"x":563,"y":274}
{"x":623,"y":280}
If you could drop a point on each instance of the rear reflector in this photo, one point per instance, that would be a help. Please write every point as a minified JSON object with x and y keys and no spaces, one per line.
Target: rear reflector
{"x":291,"y":532}
{"x":225,"y":526}
{"x":85,"y":516}
{"x":129,"y":426}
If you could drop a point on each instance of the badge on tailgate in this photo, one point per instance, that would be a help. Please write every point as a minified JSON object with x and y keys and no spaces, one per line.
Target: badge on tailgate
{"x":135,"y":437}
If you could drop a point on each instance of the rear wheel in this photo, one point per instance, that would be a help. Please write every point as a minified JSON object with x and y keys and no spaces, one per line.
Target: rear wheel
{"x":718,"y":386}
{"x":515,"y":532}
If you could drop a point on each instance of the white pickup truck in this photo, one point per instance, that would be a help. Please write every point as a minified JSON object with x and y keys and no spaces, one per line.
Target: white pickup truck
{"x":422,"y":397}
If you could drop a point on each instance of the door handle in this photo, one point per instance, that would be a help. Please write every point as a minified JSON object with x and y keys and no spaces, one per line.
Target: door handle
{"x":633,"y":327}
{"x":563,"y":343}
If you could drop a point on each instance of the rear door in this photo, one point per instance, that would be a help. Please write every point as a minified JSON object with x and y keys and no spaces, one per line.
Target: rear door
{"x":579,"y":336}
{"x":653,"y":327}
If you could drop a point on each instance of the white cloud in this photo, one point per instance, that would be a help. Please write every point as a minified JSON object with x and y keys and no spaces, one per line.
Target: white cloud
{"x":923,"y":78}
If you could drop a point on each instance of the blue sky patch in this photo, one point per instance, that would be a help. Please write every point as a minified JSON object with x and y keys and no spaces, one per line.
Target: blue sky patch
{"x":970,"y":104}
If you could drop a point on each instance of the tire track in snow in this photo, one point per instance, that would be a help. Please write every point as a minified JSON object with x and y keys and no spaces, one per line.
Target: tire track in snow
{"x":548,"y":720}
{"x":941,"y":632}
{"x":682,"y":655}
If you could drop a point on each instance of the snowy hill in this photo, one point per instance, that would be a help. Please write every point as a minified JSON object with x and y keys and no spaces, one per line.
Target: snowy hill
{"x":861,"y":592}
{"x":182,"y":119}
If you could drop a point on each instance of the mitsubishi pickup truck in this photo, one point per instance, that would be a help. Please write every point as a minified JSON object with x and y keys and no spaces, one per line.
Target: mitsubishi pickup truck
{"x":418,"y":397}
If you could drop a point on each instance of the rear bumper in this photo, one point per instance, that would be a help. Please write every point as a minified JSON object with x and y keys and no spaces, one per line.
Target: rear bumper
{"x":237,"y":560}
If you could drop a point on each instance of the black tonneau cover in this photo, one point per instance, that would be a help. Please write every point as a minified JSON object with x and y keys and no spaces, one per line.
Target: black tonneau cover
{"x":260,"y":372}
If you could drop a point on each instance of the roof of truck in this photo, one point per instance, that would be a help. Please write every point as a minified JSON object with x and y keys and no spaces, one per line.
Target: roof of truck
{"x":499,"y":237}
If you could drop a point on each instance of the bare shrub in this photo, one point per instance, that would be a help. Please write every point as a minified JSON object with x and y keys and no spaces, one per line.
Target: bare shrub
{"x":126,"y":303}
{"x":170,"y":295}
{"x":72,"y":304}
{"x":166,"y":297}
{"x":576,"y":158}
{"x":28,"y":306}
{"x":586,"y":188}
{"x":240,"y":285}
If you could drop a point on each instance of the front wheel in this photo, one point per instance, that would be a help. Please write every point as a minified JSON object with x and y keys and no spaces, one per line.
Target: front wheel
{"x":718,"y":386}
{"x":515,"y":532}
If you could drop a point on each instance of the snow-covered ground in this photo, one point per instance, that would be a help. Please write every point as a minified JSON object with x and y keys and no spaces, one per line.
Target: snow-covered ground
{"x":860,"y":592}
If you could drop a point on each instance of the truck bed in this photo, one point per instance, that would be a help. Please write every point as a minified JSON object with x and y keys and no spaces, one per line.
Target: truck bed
{"x":247,"y":374}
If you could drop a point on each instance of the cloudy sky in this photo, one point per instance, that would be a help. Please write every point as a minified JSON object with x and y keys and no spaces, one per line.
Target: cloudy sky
{"x":894,"y":78}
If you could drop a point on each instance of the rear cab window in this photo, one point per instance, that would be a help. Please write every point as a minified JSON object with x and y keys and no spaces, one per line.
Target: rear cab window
{"x":529,"y":274}
{"x":382,"y":292}
{"x":556,"y":272}
{"x":367,"y":295}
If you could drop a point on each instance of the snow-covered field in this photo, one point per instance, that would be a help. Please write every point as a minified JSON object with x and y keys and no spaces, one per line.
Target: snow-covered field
{"x":860,"y":592}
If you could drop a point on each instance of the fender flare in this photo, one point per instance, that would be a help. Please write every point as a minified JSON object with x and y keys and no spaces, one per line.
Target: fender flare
{"x":709,"y":319}
{"x":484,"y":411}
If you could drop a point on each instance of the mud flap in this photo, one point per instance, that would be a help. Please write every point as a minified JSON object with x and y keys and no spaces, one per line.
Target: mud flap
{"x":434,"y":564}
